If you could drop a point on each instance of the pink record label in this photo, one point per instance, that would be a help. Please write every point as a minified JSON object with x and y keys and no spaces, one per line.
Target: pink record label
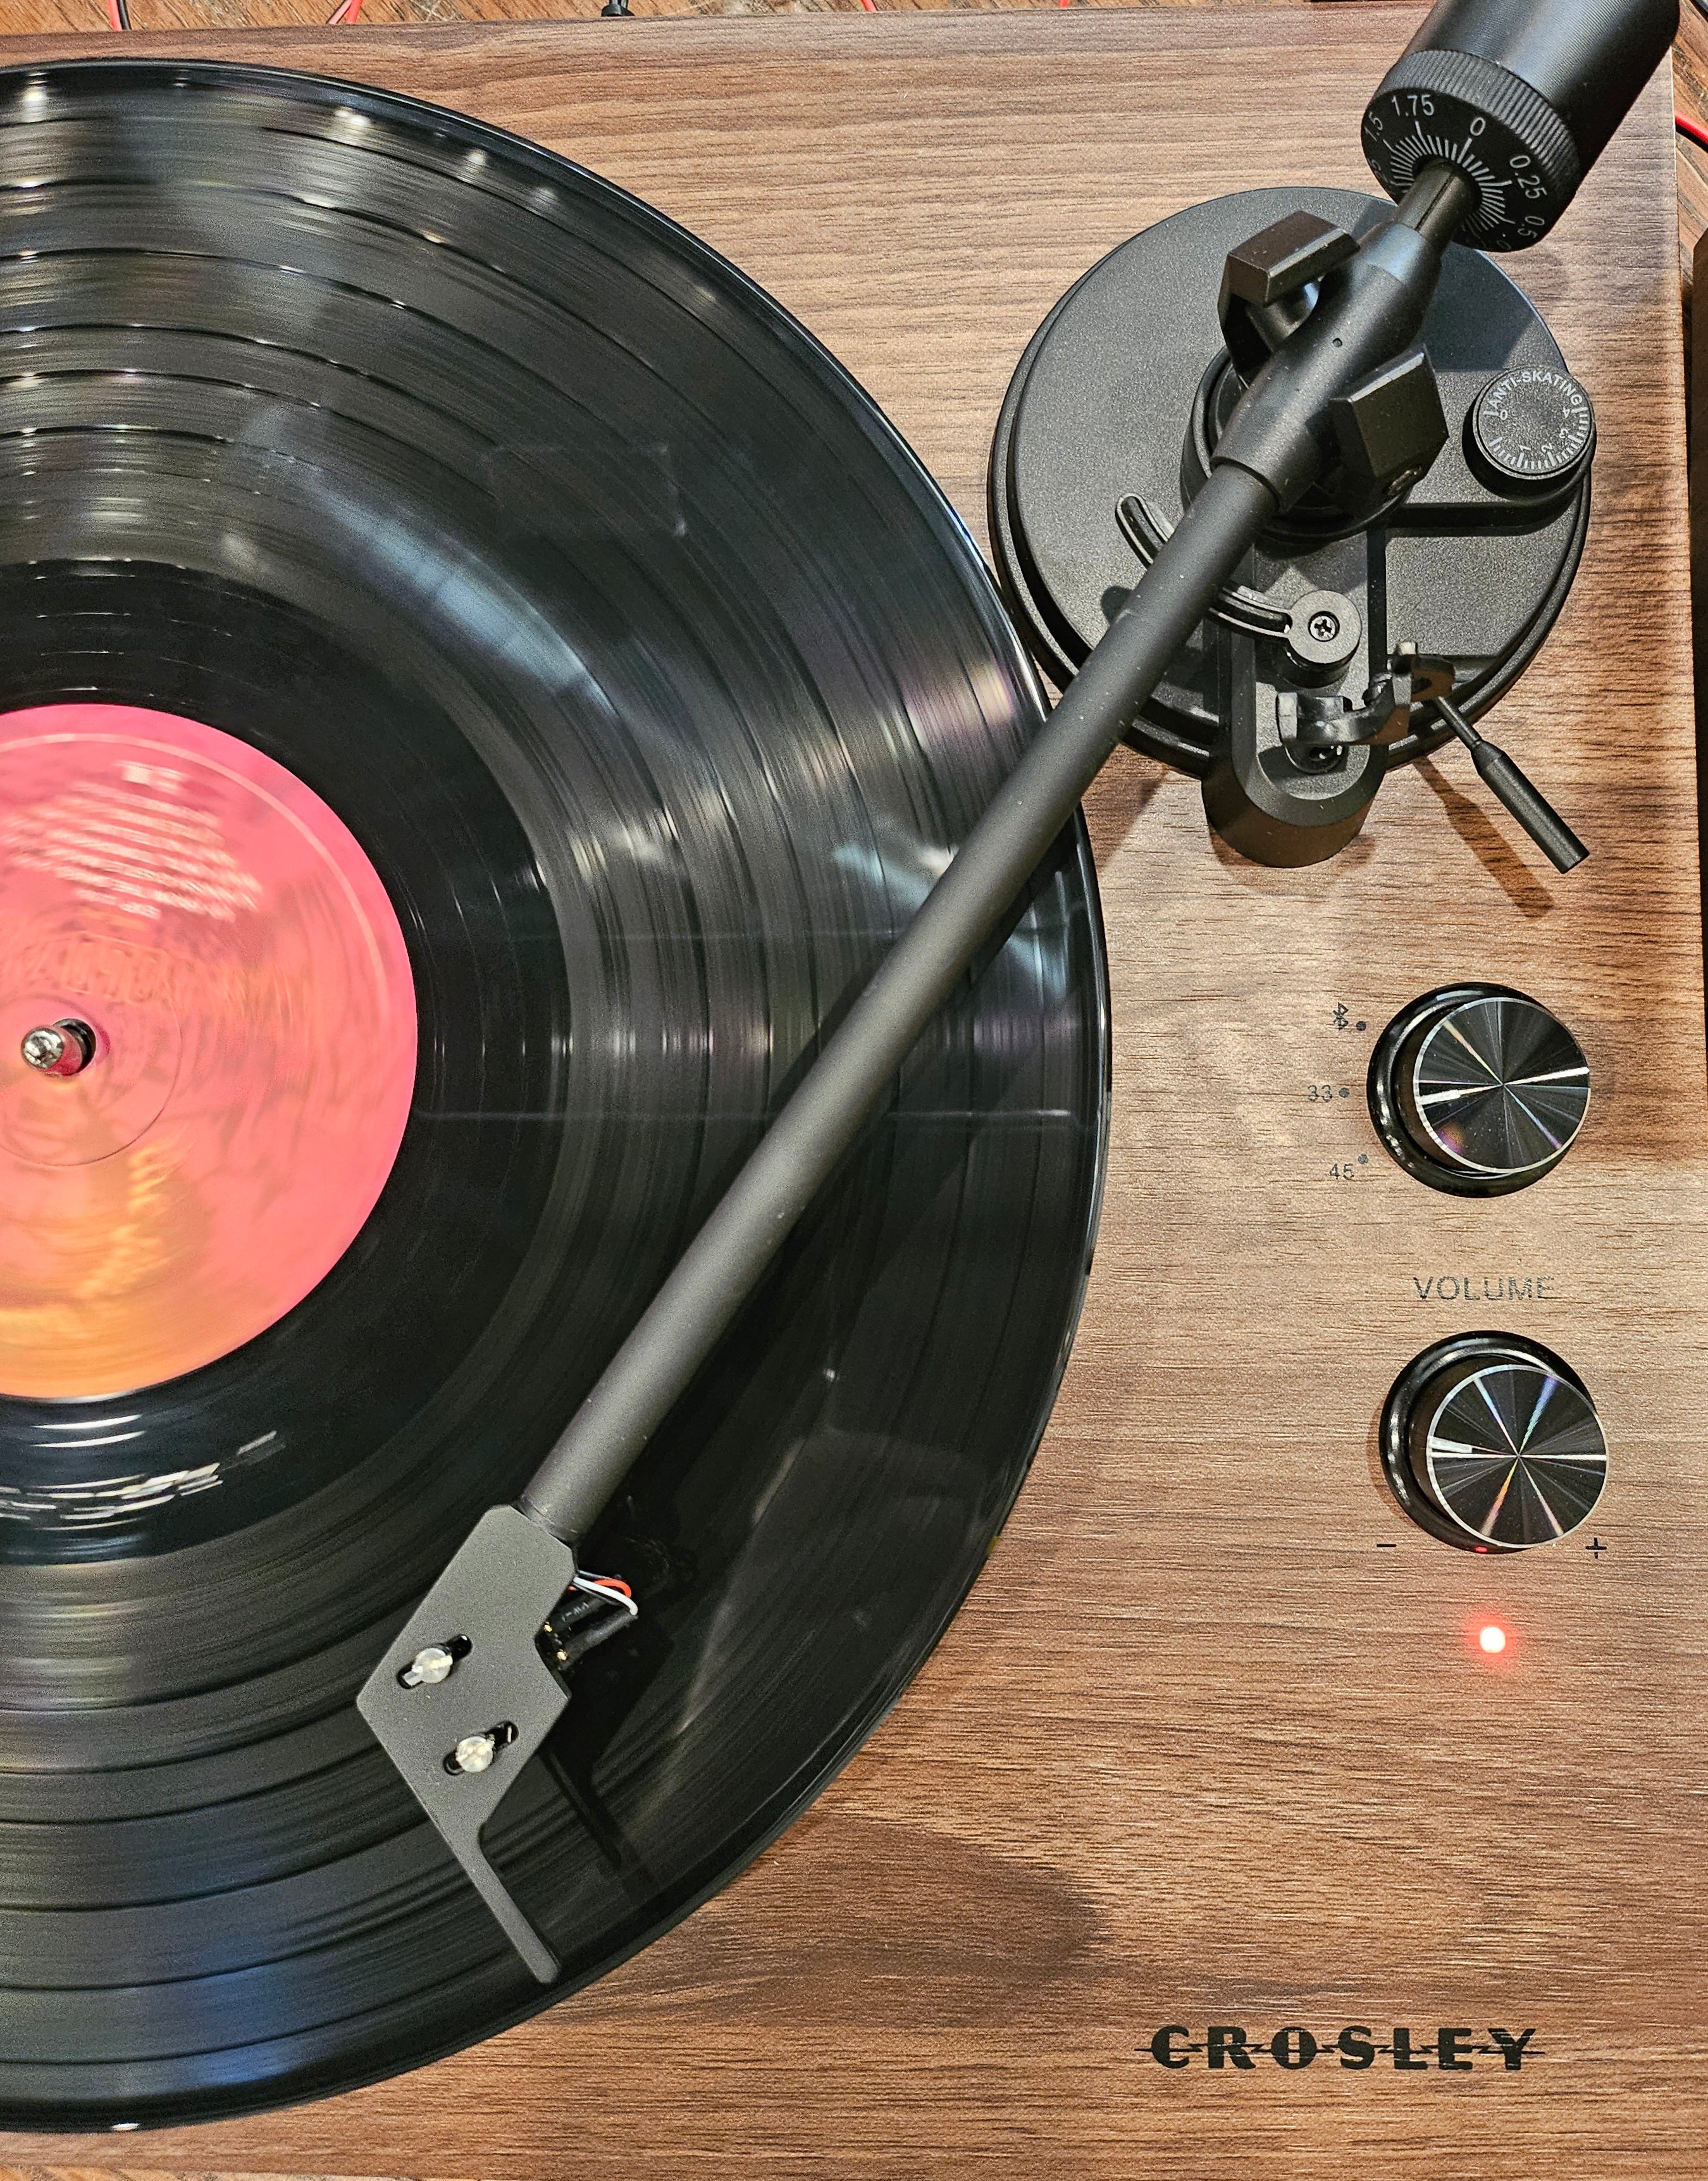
{"x":230,"y":947}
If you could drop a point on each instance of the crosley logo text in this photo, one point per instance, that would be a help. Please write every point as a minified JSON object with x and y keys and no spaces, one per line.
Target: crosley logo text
{"x":1456,"y":2050}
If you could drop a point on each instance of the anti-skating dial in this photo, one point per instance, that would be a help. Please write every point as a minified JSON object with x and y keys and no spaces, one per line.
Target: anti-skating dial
{"x":1530,"y":432}
{"x":1493,"y":1443}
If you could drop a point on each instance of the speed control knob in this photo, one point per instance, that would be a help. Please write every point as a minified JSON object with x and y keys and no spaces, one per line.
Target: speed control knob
{"x":1493,"y":1443}
{"x":1478,"y":1089}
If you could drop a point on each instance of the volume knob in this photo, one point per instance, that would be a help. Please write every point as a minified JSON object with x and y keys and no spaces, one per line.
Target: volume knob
{"x":1478,"y":1089}
{"x":1493,"y":1443}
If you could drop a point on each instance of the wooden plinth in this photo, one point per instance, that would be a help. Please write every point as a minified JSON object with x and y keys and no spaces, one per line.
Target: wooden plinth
{"x":1199,"y":1749}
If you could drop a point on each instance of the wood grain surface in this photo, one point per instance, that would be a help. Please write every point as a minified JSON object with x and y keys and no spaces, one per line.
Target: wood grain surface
{"x":1199,"y":1749}
{"x":23,"y":17}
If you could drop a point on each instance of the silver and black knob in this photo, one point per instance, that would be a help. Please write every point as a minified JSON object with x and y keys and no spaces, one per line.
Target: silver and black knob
{"x":1492,"y":1443}
{"x":1478,"y":1089}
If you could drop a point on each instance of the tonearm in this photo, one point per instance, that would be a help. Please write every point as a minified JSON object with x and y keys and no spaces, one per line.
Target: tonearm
{"x":1482,"y":133}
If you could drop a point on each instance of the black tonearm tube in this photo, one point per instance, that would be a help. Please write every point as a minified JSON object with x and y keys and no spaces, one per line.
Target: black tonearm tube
{"x":1482,"y":132}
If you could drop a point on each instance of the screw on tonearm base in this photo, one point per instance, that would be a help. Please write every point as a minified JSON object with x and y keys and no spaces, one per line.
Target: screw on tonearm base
{"x":1515,"y":793}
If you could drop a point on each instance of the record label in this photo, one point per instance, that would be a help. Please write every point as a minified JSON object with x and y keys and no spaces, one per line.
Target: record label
{"x":208,"y":1046}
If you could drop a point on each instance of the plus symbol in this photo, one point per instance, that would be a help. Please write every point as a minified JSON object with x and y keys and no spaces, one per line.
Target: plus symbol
{"x":1596,"y":1547}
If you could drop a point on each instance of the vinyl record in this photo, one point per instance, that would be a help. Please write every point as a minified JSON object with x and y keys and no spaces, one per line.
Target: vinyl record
{"x":479,"y":689}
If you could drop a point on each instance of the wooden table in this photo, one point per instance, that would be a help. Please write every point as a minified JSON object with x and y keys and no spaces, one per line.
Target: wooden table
{"x":1255,"y":1775}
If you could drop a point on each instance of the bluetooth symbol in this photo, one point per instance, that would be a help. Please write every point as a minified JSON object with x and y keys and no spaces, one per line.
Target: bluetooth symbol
{"x":1342,"y":1017}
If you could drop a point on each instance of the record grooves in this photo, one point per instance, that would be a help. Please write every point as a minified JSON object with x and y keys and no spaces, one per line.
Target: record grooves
{"x":653,"y":681}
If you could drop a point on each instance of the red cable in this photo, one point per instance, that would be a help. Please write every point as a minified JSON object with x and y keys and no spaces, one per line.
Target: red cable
{"x":1694,"y":130}
{"x":115,"y":20}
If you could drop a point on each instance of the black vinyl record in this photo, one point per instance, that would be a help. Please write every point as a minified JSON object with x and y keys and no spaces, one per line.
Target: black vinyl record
{"x":657,"y":680}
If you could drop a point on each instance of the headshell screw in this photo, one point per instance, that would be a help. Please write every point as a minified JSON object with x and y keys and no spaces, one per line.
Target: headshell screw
{"x":475,"y":1753}
{"x":434,"y":1663}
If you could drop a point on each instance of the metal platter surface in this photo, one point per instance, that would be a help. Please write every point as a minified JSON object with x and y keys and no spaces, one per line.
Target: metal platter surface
{"x":511,"y":686}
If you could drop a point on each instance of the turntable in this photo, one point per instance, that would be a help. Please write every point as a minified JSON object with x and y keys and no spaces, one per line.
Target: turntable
{"x":488,"y":690}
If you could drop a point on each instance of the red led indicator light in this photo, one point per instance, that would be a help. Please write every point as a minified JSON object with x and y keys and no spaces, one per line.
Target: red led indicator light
{"x":1491,"y":1639}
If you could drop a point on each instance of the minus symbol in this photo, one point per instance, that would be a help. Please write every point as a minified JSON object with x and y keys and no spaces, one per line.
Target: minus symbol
{"x":1387,"y":1549}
